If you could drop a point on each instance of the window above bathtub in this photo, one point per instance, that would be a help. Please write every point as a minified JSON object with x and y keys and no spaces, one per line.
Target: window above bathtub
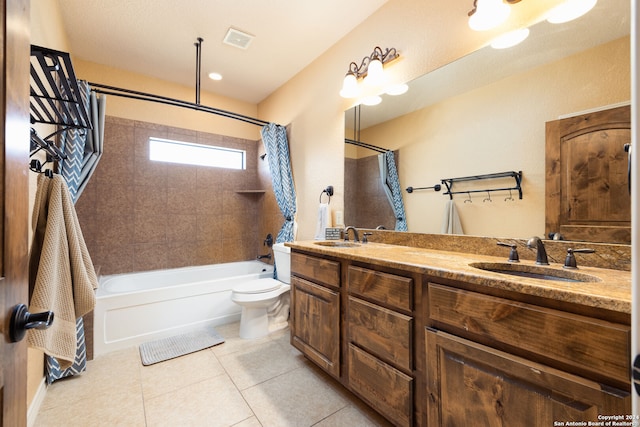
{"x":165,"y":150}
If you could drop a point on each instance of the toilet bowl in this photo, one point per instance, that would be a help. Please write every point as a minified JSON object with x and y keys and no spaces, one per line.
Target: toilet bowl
{"x":265,"y":299}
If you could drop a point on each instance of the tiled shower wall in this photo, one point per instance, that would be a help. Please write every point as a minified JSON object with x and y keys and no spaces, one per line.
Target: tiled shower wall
{"x":365,"y":203}
{"x":138,"y":215}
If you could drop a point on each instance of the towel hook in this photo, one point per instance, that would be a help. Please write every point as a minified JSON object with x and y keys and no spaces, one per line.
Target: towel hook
{"x":510,"y":197}
{"x":469,"y":199}
{"x":488,"y":197}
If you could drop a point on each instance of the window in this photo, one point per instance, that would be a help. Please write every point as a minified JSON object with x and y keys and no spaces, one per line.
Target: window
{"x":165,"y":150}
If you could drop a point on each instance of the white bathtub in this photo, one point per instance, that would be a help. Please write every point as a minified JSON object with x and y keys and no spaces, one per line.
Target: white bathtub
{"x":138,"y":307}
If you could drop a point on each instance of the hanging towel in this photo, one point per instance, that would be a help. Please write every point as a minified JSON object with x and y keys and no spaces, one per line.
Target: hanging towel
{"x":61,"y":274}
{"x":451,"y":221}
{"x":323,"y":221}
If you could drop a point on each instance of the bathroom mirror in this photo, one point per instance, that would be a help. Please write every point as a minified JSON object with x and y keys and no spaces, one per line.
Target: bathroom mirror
{"x":486,"y":113}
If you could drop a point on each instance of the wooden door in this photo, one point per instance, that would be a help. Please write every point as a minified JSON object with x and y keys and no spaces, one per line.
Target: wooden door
{"x":14,"y":205}
{"x":587,"y":187}
{"x":470,"y":384}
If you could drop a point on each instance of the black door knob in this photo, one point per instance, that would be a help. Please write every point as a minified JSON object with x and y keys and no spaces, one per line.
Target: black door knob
{"x":21,"y":320}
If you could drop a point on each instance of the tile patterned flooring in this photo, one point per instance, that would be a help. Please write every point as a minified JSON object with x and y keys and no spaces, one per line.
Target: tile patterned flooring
{"x":241,"y":383}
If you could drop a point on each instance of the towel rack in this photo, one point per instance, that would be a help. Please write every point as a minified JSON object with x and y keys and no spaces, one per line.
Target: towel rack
{"x":517,"y":176}
{"x":55,"y":96}
{"x":55,"y":99}
{"x":328,"y":191}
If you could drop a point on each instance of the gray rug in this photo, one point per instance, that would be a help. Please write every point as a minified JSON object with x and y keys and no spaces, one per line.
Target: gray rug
{"x":169,"y":348}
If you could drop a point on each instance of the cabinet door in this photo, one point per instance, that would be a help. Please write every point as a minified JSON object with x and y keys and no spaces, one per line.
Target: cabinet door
{"x":316,"y":324}
{"x":471,"y":384}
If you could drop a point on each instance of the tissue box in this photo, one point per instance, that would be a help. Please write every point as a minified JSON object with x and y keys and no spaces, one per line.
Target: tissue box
{"x":333,"y":233}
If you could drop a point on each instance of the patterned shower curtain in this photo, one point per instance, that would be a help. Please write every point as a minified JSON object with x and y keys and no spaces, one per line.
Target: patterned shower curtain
{"x":274,"y":138}
{"x":391,"y":186}
{"x":83,"y":149}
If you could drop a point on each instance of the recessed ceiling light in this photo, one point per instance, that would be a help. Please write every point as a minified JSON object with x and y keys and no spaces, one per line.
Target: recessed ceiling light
{"x":215,"y":76}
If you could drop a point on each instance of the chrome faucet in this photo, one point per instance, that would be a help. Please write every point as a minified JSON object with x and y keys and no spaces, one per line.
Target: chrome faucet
{"x":356,"y":237}
{"x":541,"y":252}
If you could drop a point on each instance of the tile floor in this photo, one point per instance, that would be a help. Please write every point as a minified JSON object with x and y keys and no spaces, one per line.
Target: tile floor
{"x":239,"y":383}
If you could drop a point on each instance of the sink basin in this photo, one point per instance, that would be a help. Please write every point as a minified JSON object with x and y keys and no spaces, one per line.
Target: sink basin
{"x":338,"y":244}
{"x":535,"y":272}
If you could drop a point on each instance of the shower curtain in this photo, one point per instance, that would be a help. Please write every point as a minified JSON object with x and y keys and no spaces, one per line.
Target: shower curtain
{"x":274,"y":138}
{"x":83,"y":149}
{"x":391,"y":186}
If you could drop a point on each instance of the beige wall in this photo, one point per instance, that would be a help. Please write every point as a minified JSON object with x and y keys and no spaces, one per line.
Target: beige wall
{"x":427,"y":33}
{"x":46,"y":30}
{"x":496,"y":128}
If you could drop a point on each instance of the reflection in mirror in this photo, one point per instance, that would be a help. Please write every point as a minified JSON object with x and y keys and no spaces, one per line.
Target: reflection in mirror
{"x":486,"y":113}
{"x":373,"y":185}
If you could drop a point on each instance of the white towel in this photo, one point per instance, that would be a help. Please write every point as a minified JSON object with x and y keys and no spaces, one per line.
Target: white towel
{"x":324,"y":218}
{"x":451,"y":221}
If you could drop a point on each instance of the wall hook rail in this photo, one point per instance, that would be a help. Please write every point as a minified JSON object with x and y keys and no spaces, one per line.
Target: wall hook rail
{"x":517,"y":176}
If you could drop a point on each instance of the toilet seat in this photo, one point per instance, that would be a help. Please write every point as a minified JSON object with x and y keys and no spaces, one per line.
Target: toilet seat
{"x":258,"y":286}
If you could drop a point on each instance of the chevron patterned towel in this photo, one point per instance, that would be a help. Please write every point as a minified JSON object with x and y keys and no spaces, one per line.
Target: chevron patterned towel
{"x":61,"y":272}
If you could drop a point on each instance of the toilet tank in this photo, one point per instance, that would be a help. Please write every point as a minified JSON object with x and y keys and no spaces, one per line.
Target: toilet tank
{"x":282,"y":255}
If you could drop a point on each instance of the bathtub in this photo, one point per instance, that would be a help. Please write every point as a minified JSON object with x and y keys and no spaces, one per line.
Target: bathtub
{"x":138,"y":307}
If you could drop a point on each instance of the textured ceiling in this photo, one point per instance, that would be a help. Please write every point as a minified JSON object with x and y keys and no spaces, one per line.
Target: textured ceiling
{"x":156,"y":38}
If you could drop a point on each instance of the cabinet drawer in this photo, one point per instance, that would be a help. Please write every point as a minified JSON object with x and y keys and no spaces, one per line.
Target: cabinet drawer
{"x":388,"y":289}
{"x":380,"y":331}
{"x":317,"y":269}
{"x":386,"y":389}
{"x":591,"y":345}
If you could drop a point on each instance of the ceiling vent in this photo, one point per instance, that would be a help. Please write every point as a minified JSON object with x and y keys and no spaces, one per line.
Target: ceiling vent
{"x":237,"y":38}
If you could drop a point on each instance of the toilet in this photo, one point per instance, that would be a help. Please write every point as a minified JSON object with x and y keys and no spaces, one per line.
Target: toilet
{"x":265,"y":299}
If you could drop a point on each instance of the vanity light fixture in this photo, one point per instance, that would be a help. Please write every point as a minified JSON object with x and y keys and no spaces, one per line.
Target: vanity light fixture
{"x":510,"y":39}
{"x":371,"y":71}
{"x":488,"y":14}
{"x":570,"y":10}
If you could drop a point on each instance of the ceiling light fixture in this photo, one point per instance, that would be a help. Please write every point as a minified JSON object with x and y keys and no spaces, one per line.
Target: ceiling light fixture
{"x":215,"y":76}
{"x":488,"y":14}
{"x":570,"y":10}
{"x":371,"y":70}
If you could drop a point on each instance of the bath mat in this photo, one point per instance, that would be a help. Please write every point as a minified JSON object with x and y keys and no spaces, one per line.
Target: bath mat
{"x":169,"y":348}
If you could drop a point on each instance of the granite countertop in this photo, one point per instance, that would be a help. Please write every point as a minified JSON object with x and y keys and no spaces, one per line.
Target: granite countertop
{"x":610,"y":289}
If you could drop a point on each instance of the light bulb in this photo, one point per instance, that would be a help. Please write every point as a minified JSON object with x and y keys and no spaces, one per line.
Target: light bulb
{"x":398,"y":89}
{"x":349,"y":86}
{"x":489,"y":14}
{"x":371,"y":100}
{"x":570,"y":10}
{"x":510,"y":39}
{"x":375,"y":73}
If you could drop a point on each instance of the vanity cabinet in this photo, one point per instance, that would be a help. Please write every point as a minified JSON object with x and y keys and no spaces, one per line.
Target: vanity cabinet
{"x":379,"y":341}
{"x":315,"y":310}
{"x":497,"y":361}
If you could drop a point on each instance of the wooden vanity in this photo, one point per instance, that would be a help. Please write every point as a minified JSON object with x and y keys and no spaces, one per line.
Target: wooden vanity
{"x":425,"y":339}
